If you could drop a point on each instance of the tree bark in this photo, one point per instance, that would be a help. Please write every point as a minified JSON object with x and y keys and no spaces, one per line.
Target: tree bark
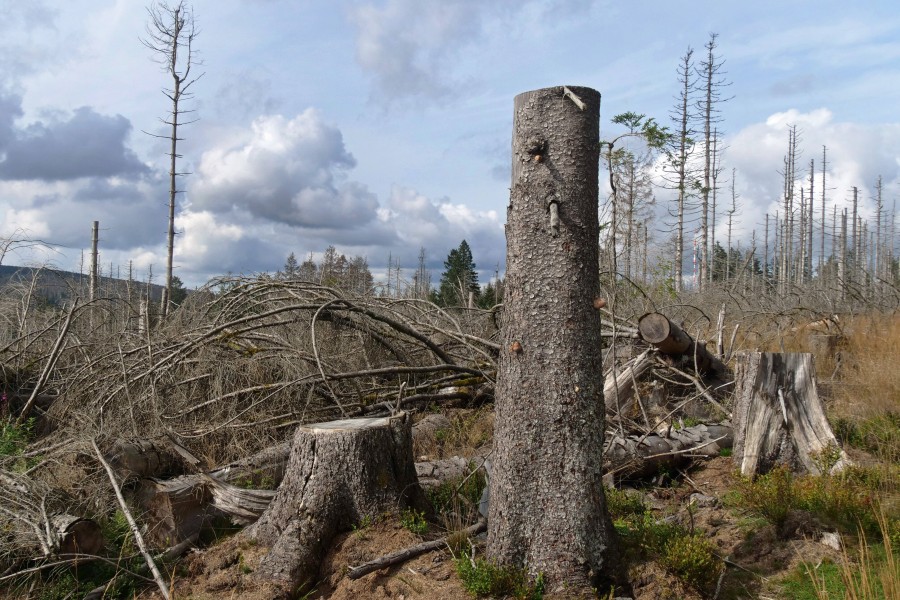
{"x":634,"y":456}
{"x":339,"y":473}
{"x":778,"y":417}
{"x":547,"y":510}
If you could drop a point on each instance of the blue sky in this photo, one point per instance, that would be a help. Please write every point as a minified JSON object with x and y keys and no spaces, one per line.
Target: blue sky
{"x":384,"y":126}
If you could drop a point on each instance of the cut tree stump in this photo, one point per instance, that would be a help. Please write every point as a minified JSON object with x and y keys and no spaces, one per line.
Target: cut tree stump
{"x":75,"y":535}
{"x":778,"y":417}
{"x":339,"y":474}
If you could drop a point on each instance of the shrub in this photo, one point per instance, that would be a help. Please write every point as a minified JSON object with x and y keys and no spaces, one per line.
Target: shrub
{"x":692,"y":559}
{"x":483,"y":578}
{"x":771,"y":496}
{"x":414,"y":521}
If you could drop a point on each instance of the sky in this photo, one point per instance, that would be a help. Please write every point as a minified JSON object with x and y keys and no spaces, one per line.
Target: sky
{"x":384,"y":126}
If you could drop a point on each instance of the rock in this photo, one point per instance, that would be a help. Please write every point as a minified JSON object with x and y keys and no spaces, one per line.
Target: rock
{"x":831,"y":539}
{"x":703,"y":501}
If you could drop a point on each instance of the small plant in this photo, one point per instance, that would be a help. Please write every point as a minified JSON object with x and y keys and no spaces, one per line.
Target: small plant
{"x":364,"y":523}
{"x":771,"y":496}
{"x":691,"y":559}
{"x":622,"y":504}
{"x":827,"y":458}
{"x":469,"y":490}
{"x":13,"y":438}
{"x":725,"y":452}
{"x":414,"y":521}
{"x":483,"y":578}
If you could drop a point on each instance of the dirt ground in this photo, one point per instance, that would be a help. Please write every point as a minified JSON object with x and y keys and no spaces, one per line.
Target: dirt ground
{"x":754,"y":554}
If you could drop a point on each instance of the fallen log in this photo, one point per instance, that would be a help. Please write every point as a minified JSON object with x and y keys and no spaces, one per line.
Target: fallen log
{"x":432,"y":473}
{"x":618,"y":388}
{"x":75,"y":535}
{"x":339,"y":473}
{"x":143,"y":458}
{"x":779,"y":418}
{"x":657,"y":330}
{"x":634,"y":456}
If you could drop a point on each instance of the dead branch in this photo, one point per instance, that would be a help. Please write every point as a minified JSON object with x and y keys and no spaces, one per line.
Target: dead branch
{"x":406,"y":554}
{"x":135,"y":530}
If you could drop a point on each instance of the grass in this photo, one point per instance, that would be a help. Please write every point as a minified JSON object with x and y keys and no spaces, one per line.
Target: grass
{"x":846,"y":501}
{"x":414,"y":521}
{"x":871,"y":573}
{"x":482,"y":578}
{"x":689,"y":556}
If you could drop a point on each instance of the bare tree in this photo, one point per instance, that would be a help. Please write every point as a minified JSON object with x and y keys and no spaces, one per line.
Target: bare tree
{"x":711,"y":72}
{"x":683,"y":146}
{"x":545,"y":510}
{"x":170,"y":35}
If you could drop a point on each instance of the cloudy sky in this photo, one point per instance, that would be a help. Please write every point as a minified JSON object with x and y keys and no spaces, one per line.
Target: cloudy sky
{"x":383,"y":126}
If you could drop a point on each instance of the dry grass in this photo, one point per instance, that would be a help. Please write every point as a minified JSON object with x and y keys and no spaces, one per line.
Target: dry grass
{"x":869,"y":377}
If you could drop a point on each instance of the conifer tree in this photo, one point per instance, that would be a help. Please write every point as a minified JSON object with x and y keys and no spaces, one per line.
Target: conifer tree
{"x":459,"y":277}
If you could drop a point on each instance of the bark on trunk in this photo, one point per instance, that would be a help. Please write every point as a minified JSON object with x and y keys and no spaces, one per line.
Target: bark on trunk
{"x":778,"y":417}
{"x":338,"y":474}
{"x":547,"y":510}
{"x":143,"y":458}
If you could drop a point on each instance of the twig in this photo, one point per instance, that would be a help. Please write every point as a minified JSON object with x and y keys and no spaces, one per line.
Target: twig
{"x":135,"y":530}
{"x":51,"y":362}
{"x":571,"y":96}
{"x":700,"y":388}
{"x":406,"y":554}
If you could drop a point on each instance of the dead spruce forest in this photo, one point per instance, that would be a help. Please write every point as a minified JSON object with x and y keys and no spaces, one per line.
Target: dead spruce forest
{"x":318,"y":432}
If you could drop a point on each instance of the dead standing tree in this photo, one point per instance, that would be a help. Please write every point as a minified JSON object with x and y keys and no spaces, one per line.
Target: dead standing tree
{"x":547,"y":510}
{"x":170,"y":35}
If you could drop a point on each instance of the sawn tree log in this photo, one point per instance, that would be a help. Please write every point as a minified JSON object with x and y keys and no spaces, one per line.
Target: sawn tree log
{"x":656,"y":329}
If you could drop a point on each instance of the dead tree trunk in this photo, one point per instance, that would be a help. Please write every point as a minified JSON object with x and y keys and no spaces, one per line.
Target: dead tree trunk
{"x":338,"y":474}
{"x":547,"y":512}
{"x":778,"y":417}
{"x":637,"y":456}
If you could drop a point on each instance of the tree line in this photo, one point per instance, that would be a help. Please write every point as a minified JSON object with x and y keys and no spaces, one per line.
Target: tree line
{"x":458,"y":285}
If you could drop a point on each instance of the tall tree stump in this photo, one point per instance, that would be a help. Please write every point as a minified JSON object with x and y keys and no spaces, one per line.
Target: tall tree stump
{"x":338,"y":474}
{"x":547,"y":510}
{"x":778,"y":416}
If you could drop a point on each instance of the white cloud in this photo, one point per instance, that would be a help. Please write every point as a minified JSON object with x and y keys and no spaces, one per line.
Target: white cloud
{"x":284,"y":170}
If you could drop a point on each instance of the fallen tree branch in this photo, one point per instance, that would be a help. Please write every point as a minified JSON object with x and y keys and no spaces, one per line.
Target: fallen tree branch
{"x":135,"y":530}
{"x":406,"y":554}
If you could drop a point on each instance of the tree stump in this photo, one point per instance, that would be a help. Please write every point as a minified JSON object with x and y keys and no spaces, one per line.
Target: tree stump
{"x":339,"y":473}
{"x":75,"y":535}
{"x":778,"y":417}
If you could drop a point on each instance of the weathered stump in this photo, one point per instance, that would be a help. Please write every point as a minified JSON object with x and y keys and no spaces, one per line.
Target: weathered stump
{"x":339,"y":473}
{"x":778,"y":417}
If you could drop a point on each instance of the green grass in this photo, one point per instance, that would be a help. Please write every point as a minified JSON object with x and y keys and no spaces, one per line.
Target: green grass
{"x":688,"y":556}
{"x":482,"y":578}
{"x":414,"y":521}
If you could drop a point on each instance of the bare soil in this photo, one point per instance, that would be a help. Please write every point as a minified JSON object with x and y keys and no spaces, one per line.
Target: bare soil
{"x":755,"y":554}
